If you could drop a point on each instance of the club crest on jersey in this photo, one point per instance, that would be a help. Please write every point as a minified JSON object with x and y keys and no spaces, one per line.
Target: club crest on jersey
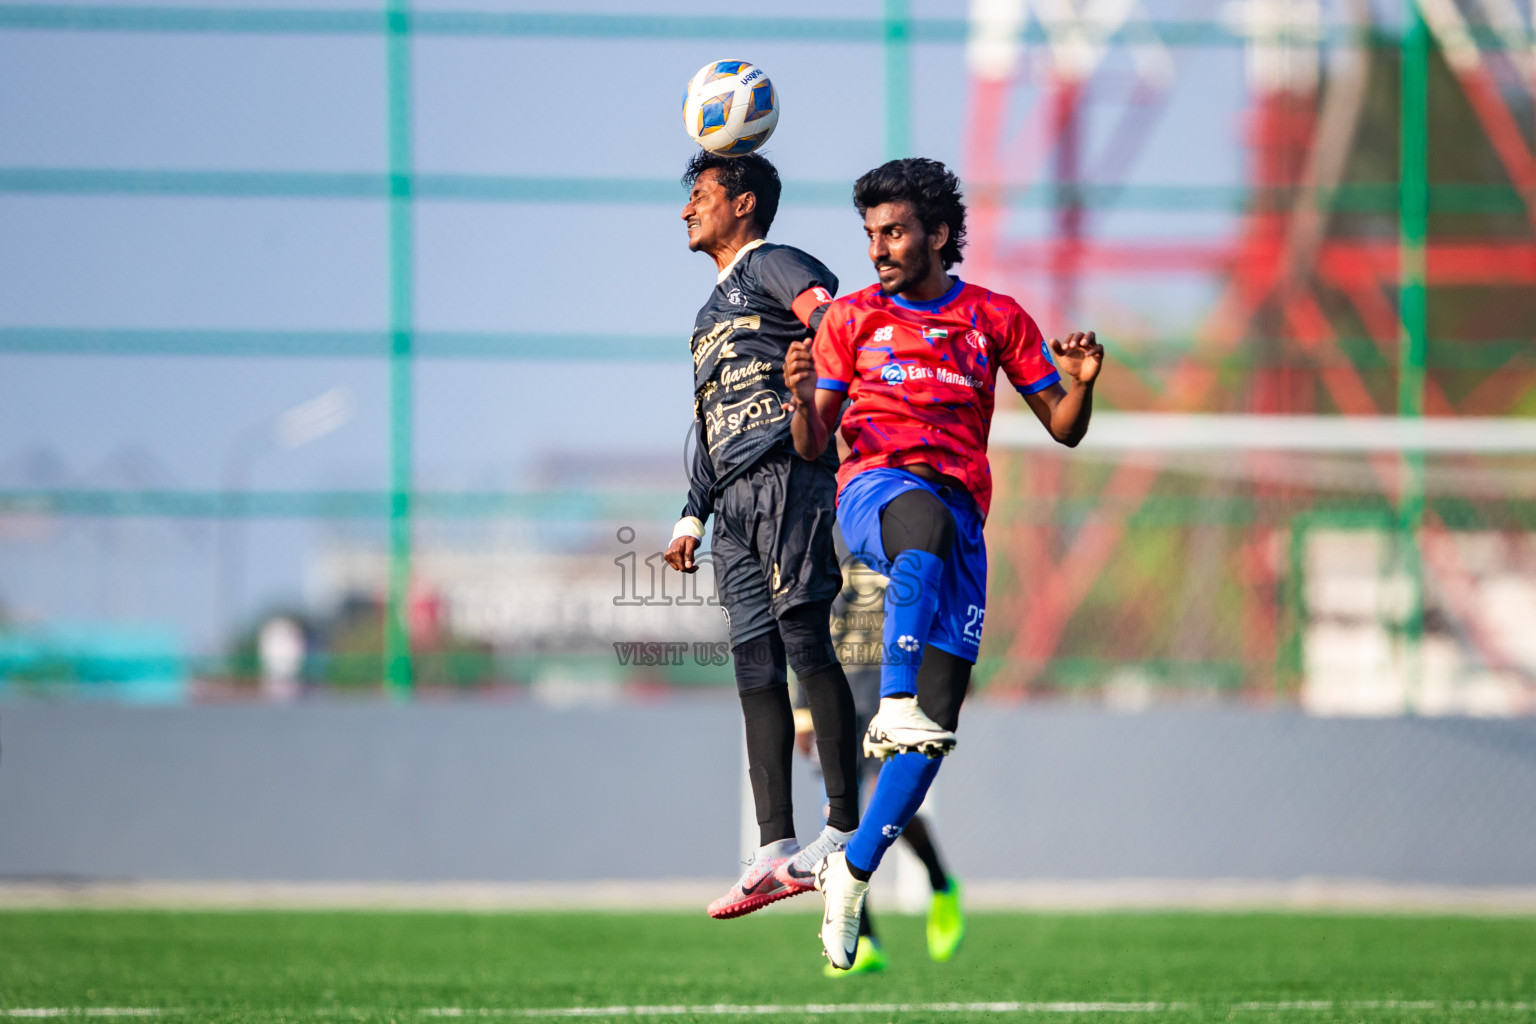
{"x":735,"y":298}
{"x":892,"y":373}
{"x":935,"y":333}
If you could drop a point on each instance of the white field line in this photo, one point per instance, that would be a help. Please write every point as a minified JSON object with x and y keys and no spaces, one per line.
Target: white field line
{"x":821,"y":1009}
{"x":827,"y":1009}
{"x":85,"y":1011}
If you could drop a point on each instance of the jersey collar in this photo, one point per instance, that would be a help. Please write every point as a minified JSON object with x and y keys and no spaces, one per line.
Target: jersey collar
{"x":737,"y":259}
{"x":932,"y":305}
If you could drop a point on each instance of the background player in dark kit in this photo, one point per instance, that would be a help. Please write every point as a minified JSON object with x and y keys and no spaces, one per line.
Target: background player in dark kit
{"x":775,"y":568}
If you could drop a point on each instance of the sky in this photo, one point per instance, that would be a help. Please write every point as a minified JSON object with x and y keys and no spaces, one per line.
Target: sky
{"x":577,"y":108}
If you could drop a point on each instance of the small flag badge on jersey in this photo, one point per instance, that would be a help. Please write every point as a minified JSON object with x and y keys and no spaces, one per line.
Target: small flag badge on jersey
{"x":935,"y":333}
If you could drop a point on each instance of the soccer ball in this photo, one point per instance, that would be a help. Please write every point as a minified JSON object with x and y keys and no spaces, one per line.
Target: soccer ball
{"x":730,"y":107}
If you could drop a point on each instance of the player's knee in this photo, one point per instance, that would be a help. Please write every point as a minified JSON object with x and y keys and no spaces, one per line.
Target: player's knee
{"x":917,"y":520}
{"x":759,"y":663}
{"x":807,"y":635}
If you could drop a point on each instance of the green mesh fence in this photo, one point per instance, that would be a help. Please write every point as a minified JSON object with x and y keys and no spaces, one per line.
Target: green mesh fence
{"x":1122,"y":577}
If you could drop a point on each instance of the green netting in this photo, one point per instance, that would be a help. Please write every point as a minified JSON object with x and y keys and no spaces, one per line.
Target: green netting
{"x":1208,"y":587}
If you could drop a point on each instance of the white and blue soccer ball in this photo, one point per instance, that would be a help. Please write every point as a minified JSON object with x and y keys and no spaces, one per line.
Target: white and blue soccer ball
{"x":730,"y":107}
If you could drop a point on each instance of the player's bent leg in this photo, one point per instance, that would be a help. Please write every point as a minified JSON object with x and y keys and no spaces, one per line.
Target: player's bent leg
{"x":917,"y":532}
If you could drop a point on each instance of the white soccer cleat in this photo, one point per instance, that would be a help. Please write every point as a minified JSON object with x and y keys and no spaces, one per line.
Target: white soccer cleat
{"x":900,"y":727}
{"x":844,"y":897}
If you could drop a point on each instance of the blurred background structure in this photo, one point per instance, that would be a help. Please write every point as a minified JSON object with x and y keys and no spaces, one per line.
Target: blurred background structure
{"x":342,"y":348}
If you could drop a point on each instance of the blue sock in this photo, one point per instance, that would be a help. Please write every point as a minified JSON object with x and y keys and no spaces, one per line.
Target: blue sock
{"x":904,"y":781}
{"x":911,"y":602}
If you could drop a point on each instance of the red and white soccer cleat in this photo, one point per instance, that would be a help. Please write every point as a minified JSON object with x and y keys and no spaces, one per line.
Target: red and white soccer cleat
{"x":756,"y":888}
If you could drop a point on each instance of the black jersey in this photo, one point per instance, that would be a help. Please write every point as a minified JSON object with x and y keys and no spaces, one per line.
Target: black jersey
{"x":771,"y":297}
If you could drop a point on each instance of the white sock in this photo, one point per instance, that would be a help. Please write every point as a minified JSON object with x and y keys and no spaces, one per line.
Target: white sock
{"x":830,"y":839}
{"x":781,"y":848}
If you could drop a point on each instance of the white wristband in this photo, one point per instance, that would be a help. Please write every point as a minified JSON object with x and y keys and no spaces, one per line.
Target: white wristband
{"x":689,"y":526}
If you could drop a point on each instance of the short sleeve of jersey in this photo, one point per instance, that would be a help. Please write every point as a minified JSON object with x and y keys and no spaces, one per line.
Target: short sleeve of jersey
{"x":833,"y":349}
{"x":1025,"y":359}
{"x":797,"y":280}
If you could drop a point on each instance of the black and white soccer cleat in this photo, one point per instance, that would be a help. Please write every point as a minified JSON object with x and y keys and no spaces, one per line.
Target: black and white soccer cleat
{"x":900,"y":727}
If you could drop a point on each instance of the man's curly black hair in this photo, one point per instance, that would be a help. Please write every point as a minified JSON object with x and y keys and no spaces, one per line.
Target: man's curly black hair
{"x":737,"y":174}
{"x":929,"y":186}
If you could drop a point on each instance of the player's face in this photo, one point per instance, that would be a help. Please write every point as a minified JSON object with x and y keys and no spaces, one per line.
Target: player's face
{"x":900,"y":249}
{"x":708,"y":213}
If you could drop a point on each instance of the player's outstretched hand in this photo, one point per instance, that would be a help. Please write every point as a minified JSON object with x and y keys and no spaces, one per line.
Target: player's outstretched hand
{"x":800,"y":373}
{"x":680,"y":554}
{"x":1080,"y":356}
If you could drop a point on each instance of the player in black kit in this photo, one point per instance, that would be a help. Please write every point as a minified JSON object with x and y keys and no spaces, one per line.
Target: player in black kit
{"x":775,"y":567}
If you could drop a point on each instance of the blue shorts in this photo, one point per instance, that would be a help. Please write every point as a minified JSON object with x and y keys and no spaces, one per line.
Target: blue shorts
{"x":963,"y":588}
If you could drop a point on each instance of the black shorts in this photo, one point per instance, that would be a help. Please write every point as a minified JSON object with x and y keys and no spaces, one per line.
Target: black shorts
{"x":772,"y":546}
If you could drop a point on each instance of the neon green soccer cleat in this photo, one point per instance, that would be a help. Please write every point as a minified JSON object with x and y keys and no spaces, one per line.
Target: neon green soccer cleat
{"x":946,"y":925}
{"x":867,"y":960}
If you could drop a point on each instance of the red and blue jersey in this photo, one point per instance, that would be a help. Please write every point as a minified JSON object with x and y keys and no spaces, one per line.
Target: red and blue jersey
{"x":921,"y":377}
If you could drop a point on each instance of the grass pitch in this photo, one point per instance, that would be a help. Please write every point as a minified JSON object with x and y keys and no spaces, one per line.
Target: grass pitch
{"x":416,"y":967}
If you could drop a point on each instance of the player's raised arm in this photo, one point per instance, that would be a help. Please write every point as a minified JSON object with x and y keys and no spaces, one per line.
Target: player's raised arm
{"x":1065,"y":411}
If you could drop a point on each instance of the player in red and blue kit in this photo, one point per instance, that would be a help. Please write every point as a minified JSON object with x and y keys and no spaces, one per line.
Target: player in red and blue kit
{"x":916,"y":359}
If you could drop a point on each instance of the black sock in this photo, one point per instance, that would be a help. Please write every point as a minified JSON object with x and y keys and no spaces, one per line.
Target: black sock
{"x":856,"y":871}
{"x":866,"y":926}
{"x":837,"y":745}
{"x":917,"y":836}
{"x":770,"y":745}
